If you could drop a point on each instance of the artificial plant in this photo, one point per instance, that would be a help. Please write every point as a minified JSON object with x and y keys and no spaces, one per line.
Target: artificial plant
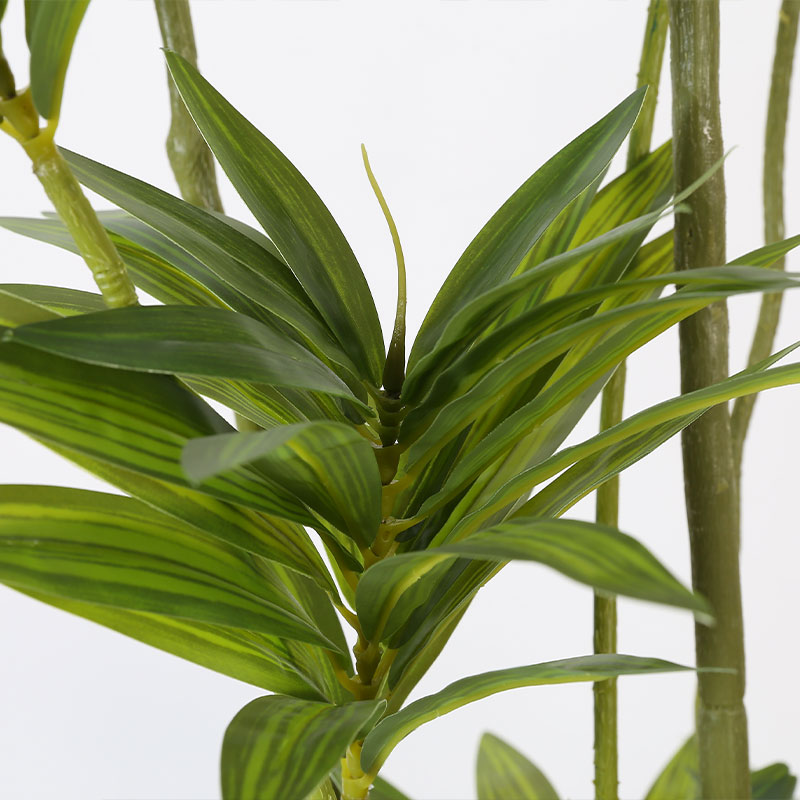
{"x":368,"y":489}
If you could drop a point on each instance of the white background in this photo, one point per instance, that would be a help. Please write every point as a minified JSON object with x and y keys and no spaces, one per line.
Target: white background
{"x":458,"y":102}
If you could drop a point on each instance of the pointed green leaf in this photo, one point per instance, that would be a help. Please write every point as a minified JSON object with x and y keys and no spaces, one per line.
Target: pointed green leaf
{"x":139,"y":423}
{"x":496,"y":252}
{"x":504,"y":772}
{"x":115,"y":551}
{"x":284,"y":747}
{"x":51,"y":29}
{"x":681,"y":777}
{"x":596,"y":555}
{"x":383,"y":790}
{"x":293,"y":216}
{"x":248,"y":656}
{"x":185,"y":340}
{"x":328,"y":466}
{"x":774,"y":782}
{"x":237,"y":258}
{"x":21,"y":303}
{"x":393,"y":729}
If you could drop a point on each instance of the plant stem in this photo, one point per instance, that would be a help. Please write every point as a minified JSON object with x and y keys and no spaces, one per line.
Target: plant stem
{"x":189,"y":156}
{"x":606,"y":758}
{"x":774,"y":146}
{"x":80,"y":219}
{"x":709,"y":477}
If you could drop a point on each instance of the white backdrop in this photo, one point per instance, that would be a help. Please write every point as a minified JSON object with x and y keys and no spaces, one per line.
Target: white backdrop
{"x":458,"y":102}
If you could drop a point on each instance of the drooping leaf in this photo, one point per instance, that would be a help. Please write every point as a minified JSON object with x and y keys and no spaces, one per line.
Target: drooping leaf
{"x":236,"y":258}
{"x":139,"y":423}
{"x":111,"y":550}
{"x":392,"y":729}
{"x":503,"y":772}
{"x":51,"y":28}
{"x":596,"y":555}
{"x":185,"y":340}
{"x":284,"y":747}
{"x":497,"y":250}
{"x":292,"y":214}
{"x":245,"y":655}
{"x":328,"y":466}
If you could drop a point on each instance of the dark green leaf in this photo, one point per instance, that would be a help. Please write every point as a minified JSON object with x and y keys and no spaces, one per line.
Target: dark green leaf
{"x":293,"y":216}
{"x":115,"y":551}
{"x":185,"y":340}
{"x":596,"y":555}
{"x":328,"y":466}
{"x":393,"y":729}
{"x":498,"y":249}
{"x":139,"y":423}
{"x":51,"y":28}
{"x":282,"y":747}
{"x":774,"y":782}
{"x":504,"y":773}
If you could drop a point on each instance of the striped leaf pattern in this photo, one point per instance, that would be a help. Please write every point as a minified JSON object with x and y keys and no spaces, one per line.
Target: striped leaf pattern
{"x":293,"y":216}
{"x":112,"y":550}
{"x":284,"y":747}
{"x":504,"y":772}
{"x":595,"y":555}
{"x":497,"y":250}
{"x":303,"y":457}
{"x":51,"y":29}
{"x":394,"y":728}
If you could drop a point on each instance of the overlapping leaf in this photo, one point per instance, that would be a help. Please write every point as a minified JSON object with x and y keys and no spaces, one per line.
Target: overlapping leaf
{"x":392,"y":729}
{"x":139,"y":423}
{"x":308,"y":459}
{"x":293,"y":216}
{"x":284,"y":747}
{"x":596,"y":555}
{"x":112,"y":550}
{"x":503,"y":772}
{"x":497,"y":250}
{"x":210,"y":342}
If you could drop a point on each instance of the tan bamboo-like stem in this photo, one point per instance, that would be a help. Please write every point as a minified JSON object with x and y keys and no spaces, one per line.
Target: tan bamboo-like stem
{"x":709,"y":475}
{"x":774,"y":147}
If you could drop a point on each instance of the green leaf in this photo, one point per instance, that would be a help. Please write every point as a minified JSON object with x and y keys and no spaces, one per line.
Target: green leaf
{"x":240,"y":260}
{"x":139,"y":423}
{"x":504,"y":773}
{"x":51,"y":29}
{"x":647,"y":420}
{"x":185,"y":340}
{"x":393,"y":729}
{"x":293,"y":216}
{"x":248,"y":656}
{"x":284,"y":747}
{"x":774,"y":782}
{"x":21,"y":303}
{"x":596,"y":555}
{"x":328,"y":466}
{"x":383,"y":790}
{"x":497,"y":250}
{"x":681,"y":777}
{"x":116,"y":551}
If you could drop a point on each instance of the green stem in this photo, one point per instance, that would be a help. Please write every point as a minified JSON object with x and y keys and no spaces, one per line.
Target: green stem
{"x":774,"y":147}
{"x":606,"y":756}
{"x":80,"y":219}
{"x":189,"y":156}
{"x":709,"y":476}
